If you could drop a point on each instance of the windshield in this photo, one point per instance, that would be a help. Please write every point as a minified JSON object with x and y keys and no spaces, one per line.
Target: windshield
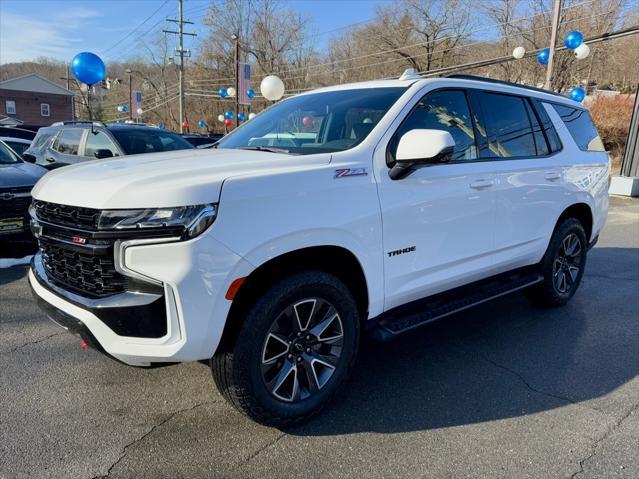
{"x":7,"y":156}
{"x":316,"y":123}
{"x":134,"y":141}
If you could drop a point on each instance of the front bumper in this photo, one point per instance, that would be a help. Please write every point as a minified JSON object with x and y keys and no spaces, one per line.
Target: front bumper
{"x":194,"y":275}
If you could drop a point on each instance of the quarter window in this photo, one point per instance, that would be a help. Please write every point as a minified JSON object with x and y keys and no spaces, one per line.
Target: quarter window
{"x":508,"y":124}
{"x":69,"y":141}
{"x":581,"y":128}
{"x":445,"y":110}
{"x":98,"y":140}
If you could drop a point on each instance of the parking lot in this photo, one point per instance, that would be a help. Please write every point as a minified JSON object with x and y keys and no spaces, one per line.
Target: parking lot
{"x":503,"y":390}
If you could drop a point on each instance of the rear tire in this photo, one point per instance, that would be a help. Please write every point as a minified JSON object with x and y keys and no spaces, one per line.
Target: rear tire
{"x":562,"y":266}
{"x":295,"y":349}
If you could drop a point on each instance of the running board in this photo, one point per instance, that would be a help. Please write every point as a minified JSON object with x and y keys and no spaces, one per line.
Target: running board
{"x":400,"y":320}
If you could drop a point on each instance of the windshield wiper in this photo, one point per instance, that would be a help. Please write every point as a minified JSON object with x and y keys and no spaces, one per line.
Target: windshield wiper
{"x":266,"y":148}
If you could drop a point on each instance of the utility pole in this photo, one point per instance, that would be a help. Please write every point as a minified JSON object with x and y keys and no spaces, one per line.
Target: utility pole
{"x":556,"y":15}
{"x":130,"y":94}
{"x":237,"y":78}
{"x":68,"y":79}
{"x":182,"y":53}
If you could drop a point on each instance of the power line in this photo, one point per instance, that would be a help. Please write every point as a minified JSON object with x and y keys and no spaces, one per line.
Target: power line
{"x":135,"y":29}
{"x":445,"y":50}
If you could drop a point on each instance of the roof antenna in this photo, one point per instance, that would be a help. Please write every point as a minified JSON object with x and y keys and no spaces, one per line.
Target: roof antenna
{"x":410,"y":74}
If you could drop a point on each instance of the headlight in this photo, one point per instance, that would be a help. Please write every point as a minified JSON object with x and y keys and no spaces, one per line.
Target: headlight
{"x":194,"y":219}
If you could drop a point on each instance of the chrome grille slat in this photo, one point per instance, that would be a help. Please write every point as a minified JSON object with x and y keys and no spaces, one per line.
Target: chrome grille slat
{"x":86,"y":269}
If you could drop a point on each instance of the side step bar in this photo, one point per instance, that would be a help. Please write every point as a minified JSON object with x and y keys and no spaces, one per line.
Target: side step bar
{"x":404,"y":319}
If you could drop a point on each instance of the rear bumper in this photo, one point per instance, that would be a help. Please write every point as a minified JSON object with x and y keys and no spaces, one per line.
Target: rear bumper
{"x":194,"y":275}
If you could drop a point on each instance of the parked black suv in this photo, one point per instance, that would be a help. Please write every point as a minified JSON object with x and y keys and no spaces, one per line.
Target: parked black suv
{"x":16,"y":181}
{"x":200,"y":141}
{"x":67,"y":143}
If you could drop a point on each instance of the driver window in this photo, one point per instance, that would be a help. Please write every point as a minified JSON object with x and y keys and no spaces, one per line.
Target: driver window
{"x":97,"y":140}
{"x":445,"y":110}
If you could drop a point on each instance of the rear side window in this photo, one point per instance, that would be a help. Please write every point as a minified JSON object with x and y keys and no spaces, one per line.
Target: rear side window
{"x":554,"y":143}
{"x":581,"y":128}
{"x":508,"y":126}
{"x":69,"y":141}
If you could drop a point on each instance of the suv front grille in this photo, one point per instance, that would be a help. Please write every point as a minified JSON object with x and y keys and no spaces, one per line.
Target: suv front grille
{"x":75,"y":256}
{"x":85,"y":273}
{"x":73,"y":216}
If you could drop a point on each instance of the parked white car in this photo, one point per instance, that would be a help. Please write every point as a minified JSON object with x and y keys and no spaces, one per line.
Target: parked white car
{"x":377,"y":206}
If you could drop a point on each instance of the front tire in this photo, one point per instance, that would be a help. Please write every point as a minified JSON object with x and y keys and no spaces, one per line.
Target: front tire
{"x":295,"y":349}
{"x":563,"y":265}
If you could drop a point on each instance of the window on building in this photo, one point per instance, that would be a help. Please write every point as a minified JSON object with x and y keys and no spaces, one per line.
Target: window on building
{"x":44,"y":109}
{"x":11,"y":107}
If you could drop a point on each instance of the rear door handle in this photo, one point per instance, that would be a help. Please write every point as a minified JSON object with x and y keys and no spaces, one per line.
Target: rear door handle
{"x":50,"y":160}
{"x":479,"y":184}
{"x":552,"y":176}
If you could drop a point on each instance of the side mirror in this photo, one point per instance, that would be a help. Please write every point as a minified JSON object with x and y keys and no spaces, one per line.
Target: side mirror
{"x":28,"y":157}
{"x":103,"y":153}
{"x":421,"y":147}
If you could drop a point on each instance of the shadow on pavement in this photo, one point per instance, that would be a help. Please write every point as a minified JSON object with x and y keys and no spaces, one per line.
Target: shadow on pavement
{"x":14,"y":273}
{"x":503,"y":359}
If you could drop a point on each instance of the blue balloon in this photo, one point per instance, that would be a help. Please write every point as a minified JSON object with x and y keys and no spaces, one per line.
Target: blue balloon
{"x":123,"y":108}
{"x":250,"y":93}
{"x":222,"y":92}
{"x":577,"y":94}
{"x":161,"y":125}
{"x":240,"y":116}
{"x":201,"y":123}
{"x":88,"y":68}
{"x":543,"y":56}
{"x":228,"y":115}
{"x":573,"y":40}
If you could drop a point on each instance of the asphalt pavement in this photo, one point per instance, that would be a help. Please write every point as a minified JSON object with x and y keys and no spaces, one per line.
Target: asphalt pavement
{"x":503,"y":390}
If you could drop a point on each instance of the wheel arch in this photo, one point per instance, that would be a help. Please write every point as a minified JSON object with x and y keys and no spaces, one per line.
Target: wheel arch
{"x":336,"y":260}
{"x":581,"y":212}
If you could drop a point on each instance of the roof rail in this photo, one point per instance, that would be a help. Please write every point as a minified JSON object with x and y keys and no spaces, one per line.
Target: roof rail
{"x":462,"y":76}
{"x":77,"y":122}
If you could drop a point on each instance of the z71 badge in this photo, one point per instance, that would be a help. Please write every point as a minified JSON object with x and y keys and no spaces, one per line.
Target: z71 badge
{"x":344,"y":172}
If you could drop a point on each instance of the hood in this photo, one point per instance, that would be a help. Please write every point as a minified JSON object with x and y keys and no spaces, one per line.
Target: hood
{"x":178,"y":178}
{"x":20,"y":174}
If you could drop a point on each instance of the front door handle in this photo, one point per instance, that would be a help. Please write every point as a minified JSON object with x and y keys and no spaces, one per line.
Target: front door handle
{"x":552,"y":176}
{"x":479,"y":184}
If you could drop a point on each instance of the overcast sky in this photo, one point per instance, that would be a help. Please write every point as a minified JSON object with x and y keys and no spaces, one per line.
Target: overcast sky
{"x":59,"y":29}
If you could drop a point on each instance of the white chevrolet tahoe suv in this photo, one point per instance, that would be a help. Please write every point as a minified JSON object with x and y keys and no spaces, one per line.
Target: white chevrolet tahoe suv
{"x":371,"y":207}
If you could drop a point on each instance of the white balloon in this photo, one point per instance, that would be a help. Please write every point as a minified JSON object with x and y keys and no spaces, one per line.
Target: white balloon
{"x":519,"y":53}
{"x":251,"y":116}
{"x":272,"y":88}
{"x":220,"y":118}
{"x":140,"y":111}
{"x":230,"y":92}
{"x":582,"y":51}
